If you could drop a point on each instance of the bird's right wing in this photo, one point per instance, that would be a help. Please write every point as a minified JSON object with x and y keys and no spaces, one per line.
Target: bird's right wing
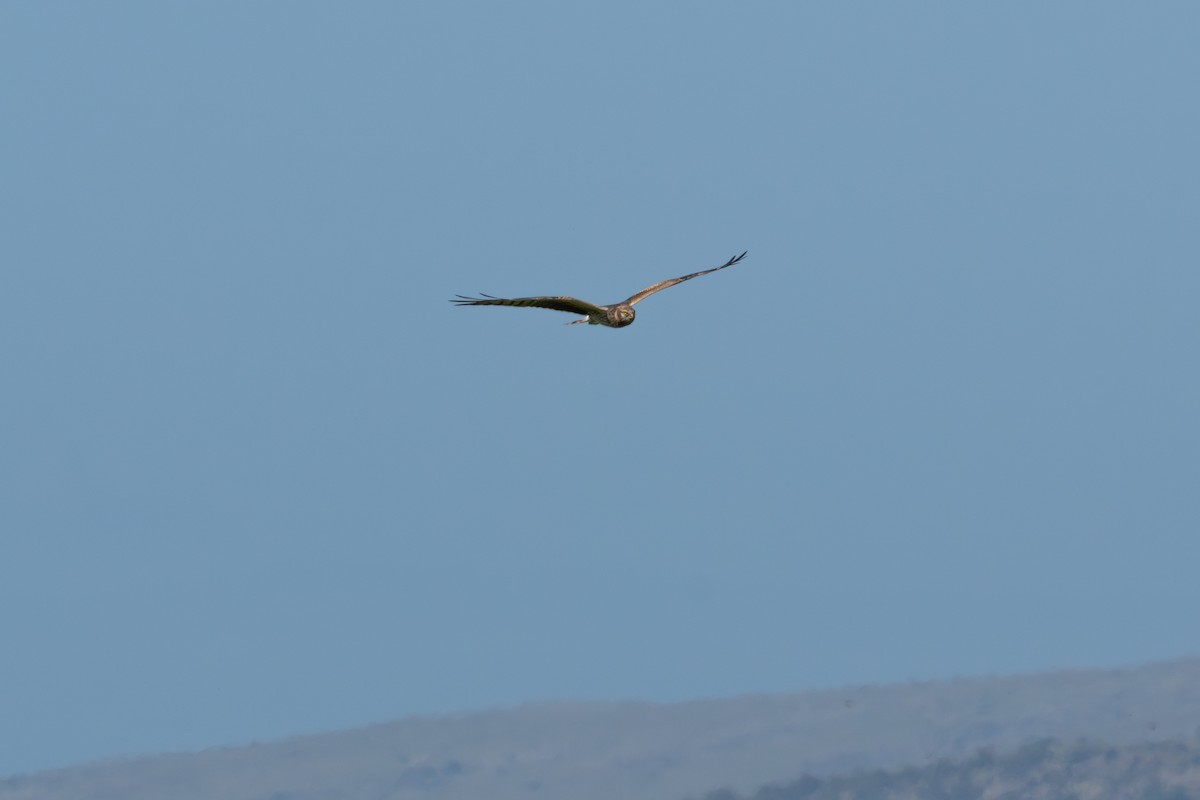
{"x":572,"y":305}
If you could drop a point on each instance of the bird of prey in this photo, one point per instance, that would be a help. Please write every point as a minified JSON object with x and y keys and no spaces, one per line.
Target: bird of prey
{"x":617,"y":315}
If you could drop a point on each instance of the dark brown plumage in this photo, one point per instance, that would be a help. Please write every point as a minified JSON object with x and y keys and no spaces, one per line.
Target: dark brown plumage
{"x":617,"y":315}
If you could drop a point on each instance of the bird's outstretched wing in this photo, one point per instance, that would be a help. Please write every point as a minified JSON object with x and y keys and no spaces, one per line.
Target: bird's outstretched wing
{"x":572,"y":305}
{"x":658,"y":287}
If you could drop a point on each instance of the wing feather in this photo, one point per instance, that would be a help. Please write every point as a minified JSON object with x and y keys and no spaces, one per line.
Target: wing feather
{"x":658,"y":287}
{"x":572,"y":305}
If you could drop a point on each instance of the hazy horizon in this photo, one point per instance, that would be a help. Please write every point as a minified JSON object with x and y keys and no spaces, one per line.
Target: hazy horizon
{"x":647,"y":751}
{"x":259,"y":477}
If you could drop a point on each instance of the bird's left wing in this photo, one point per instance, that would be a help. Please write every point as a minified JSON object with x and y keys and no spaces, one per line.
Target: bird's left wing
{"x":572,"y":305}
{"x":658,"y":287}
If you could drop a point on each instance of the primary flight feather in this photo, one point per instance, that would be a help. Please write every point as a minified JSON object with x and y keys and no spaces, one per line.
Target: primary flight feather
{"x":617,"y":315}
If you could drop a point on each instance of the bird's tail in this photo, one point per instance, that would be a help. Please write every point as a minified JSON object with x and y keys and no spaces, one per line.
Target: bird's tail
{"x":577,"y":321}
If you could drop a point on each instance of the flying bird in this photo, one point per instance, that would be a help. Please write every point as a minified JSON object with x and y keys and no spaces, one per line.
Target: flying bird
{"x":617,"y":315}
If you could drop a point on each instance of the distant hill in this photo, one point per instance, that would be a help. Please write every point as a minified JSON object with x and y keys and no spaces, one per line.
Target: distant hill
{"x":1045,"y":769}
{"x":636,"y":751}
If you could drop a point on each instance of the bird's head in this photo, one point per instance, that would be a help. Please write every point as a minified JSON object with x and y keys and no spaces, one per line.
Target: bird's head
{"x":622,"y":316}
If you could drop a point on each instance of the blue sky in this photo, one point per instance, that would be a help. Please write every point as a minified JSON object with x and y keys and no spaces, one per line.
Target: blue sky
{"x":259,"y":478}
